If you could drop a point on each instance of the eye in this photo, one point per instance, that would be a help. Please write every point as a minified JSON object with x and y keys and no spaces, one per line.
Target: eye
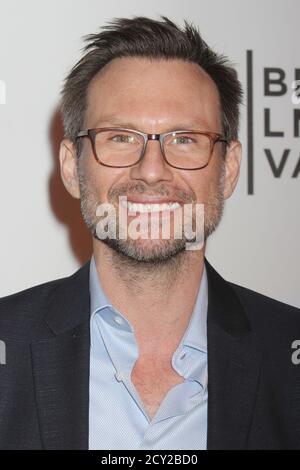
{"x":182,"y":139}
{"x":123,"y":138}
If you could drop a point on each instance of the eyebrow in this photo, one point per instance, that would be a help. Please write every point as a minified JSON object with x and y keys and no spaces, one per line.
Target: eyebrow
{"x":114,"y":121}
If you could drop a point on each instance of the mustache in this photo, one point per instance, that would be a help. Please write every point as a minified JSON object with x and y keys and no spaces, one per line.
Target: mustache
{"x":162,"y":190}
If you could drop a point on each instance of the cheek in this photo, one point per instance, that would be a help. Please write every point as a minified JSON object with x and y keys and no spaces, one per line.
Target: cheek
{"x":101,"y":179}
{"x":204,"y":183}
{"x":199,"y":183}
{"x":90,"y":176}
{"x":211,"y":176}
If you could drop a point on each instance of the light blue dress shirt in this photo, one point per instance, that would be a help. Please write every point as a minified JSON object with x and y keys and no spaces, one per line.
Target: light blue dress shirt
{"x":117,"y":417}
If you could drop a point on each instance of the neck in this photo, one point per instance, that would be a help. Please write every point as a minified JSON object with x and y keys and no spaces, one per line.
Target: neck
{"x":156,"y":299}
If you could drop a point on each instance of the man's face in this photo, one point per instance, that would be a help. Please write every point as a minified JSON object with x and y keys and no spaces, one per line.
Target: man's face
{"x":152,"y":97}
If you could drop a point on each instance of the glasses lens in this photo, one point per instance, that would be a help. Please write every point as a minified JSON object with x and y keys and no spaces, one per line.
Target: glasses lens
{"x":187,"y":149}
{"x":118,"y":147}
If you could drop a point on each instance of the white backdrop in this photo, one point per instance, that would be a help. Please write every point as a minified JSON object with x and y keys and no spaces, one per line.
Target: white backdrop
{"x":42,"y":237}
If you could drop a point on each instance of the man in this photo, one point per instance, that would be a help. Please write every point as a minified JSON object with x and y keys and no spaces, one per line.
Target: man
{"x":147,"y":346}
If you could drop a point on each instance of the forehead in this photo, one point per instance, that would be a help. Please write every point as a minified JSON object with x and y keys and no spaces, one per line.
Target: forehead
{"x":153,"y":92}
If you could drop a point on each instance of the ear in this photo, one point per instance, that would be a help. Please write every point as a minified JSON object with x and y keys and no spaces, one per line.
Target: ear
{"x":68,"y":167}
{"x":232,"y":167}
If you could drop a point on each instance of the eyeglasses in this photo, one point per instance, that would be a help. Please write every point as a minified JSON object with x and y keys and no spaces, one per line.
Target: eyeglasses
{"x":118,"y":147}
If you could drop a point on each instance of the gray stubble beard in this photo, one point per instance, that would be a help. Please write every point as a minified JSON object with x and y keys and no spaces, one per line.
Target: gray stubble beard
{"x":161,"y":252}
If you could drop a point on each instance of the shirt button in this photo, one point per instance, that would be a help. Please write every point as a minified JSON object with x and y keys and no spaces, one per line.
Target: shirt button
{"x":119,"y":376}
{"x":118,"y":320}
{"x":183,"y":356}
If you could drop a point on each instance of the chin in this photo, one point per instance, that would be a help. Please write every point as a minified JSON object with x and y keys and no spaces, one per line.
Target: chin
{"x":147,"y":251}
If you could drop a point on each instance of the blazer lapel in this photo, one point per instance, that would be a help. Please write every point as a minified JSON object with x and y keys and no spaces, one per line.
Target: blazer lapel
{"x":61,"y":366}
{"x":233,"y":366}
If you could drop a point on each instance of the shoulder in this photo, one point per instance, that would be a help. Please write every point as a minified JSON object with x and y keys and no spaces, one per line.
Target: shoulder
{"x":259,"y":308}
{"x":266,"y":313}
{"x":22,"y":313}
{"x":26,"y":299}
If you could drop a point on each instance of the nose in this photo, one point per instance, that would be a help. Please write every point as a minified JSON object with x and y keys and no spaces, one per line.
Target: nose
{"x":152,"y":168}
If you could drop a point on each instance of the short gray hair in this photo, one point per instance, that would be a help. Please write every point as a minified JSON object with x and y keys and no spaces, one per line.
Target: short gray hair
{"x":146,"y":37}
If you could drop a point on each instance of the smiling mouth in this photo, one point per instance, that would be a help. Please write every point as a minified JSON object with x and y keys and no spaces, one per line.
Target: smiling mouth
{"x":143,"y":207}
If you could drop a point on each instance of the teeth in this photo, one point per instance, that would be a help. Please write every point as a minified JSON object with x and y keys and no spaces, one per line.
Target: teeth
{"x":138,"y":207}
